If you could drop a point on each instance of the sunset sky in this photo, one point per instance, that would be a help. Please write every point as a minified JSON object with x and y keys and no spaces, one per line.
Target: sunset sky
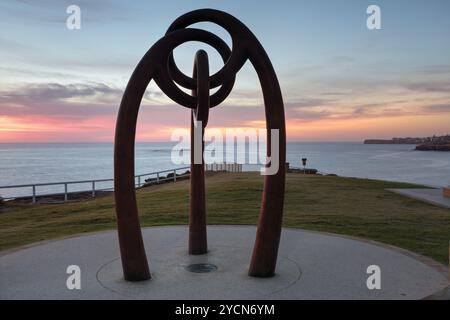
{"x":340,"y":80}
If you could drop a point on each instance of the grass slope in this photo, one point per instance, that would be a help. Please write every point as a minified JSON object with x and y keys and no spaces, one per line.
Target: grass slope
{"x":356,"y":207}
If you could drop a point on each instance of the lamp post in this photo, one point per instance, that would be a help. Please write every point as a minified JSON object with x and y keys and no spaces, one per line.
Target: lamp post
{"x":304,"y":165}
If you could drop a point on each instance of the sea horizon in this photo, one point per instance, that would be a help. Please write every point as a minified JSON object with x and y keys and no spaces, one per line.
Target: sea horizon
{"x":168,"y":141}
{"x":31,"y":163}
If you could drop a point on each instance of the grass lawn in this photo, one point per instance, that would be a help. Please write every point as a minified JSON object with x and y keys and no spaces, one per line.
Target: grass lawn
{"x":356,"y":207}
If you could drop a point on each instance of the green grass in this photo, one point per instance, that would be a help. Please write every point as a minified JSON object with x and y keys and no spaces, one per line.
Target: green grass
{"x":356,"y":207}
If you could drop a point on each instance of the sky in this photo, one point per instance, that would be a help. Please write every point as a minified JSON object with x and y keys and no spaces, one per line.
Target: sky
{"x":340,"y":81}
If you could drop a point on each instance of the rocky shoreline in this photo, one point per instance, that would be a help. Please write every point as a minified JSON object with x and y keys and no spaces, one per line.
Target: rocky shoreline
{"x":434,"y":143}
{"x":433,"y":147}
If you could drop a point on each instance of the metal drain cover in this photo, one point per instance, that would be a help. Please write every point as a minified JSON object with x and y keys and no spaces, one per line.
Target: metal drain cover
{"x":201,"y":267}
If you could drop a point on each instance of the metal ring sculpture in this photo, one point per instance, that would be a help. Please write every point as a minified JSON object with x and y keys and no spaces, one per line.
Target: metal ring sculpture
{"x":158,"y":64}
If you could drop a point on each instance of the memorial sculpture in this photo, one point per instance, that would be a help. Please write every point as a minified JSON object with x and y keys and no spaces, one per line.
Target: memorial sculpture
{"x":158,"y":64}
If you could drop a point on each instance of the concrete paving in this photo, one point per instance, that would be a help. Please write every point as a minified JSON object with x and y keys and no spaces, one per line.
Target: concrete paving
{"x":433,"y":196}
{"x":311,"y":265}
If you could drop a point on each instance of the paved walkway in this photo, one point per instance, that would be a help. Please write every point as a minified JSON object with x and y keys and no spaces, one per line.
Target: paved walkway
{"x":311,"y":265}
{"x":433,"y":196}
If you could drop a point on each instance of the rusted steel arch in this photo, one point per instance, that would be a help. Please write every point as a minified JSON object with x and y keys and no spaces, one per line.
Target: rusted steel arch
{"x":158,"y":64}
{"x":246,"y":46}
{"x":151,"y":66}
{"x":163,"y":77}
{"x":238,"y":32}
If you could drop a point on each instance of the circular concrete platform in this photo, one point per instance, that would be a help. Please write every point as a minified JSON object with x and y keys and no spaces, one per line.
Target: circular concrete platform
{"x":311,"y":265}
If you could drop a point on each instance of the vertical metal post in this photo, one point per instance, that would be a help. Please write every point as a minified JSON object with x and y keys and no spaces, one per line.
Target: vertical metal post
{"x":65,"y":192}
{"x":93,"y":189}
{"x":197,"y":205}
{"x":34,"y":193}
{"x":174,"y":175}
{"x":139,"y":181}
{"x":157,"y":177}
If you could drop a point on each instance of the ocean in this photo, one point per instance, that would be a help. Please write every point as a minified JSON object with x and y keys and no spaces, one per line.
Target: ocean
{"x":55,"y":162}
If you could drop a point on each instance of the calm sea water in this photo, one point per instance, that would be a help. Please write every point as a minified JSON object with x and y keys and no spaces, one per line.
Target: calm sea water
{"x":38,"y":163}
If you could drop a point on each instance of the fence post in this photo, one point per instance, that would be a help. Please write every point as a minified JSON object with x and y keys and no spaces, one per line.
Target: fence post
{"x":175,"y":175}
{"x":157,"y":177}
{"x":93,"y":189}
{"x":139,"y":181}
{"x":65,"y":192}
{"x":34,"y":193}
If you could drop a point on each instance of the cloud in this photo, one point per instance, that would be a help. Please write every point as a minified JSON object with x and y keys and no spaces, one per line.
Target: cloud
{"x":308,"y":103}
{"x":48,"y":92}
{"x":54,"y":11}
{"x":83,"y":101}
{"x":22,"y":72}
{"x":342,"y":60}
{"x":345,"y":109}
{"x":434,"y":69}
{"x":78,"y":100}
{"x":429,"y":86}
{"x":13,"y":46}
{"x":437,"y":108}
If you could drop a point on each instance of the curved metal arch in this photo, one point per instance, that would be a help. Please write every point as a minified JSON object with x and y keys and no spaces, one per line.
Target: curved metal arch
{"x":152,"y":66}
{"x":238,"y":32}
{"x":158,"y":58}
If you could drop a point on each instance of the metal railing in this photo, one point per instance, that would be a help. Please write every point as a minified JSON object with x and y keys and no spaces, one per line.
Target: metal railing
{"x":228,"y":167}
{"x":172,"y":175}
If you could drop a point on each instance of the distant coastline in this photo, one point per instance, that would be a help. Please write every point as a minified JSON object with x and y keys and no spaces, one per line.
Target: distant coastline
{"x":394,"y":141}
{"x":434,"y":143}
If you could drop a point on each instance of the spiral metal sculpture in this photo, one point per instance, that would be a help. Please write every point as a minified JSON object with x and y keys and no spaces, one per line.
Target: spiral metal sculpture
{"x":158,"y":64}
